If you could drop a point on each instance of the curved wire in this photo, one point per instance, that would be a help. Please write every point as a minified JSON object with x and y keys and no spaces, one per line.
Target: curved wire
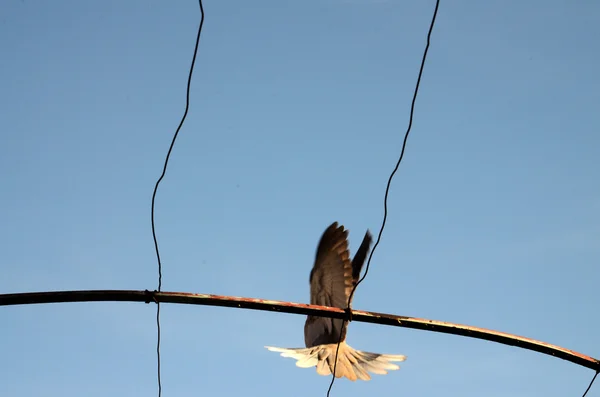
{"x":422,"y":324}
{"x":162,"y":175}
{"x":591,"y":383}
{"x":387,"y":189}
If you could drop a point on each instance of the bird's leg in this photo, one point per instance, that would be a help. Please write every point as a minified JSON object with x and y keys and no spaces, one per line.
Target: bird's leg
{"x":348,"y":311}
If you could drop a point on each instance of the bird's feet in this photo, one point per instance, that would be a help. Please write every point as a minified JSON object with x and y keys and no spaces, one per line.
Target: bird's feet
{"x":348,"y":314}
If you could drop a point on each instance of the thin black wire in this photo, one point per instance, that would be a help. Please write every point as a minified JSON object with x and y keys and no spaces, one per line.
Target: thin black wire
{"x":187,"y":106}
{"x":387,"y":189}
{"x":591,"y":383}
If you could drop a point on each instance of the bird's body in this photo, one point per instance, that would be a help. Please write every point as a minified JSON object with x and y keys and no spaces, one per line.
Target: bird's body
{"x":331,"y":282}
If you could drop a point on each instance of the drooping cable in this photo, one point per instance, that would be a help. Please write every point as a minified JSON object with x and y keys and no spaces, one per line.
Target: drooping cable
{"x":187,"y":106}
{"x":387,"y":189}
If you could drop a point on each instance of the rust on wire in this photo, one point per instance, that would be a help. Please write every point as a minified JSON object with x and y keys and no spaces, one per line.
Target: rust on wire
{"x":300,"y":308}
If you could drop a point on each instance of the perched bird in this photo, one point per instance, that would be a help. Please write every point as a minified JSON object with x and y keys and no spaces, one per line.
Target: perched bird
{"x":331,"y":281}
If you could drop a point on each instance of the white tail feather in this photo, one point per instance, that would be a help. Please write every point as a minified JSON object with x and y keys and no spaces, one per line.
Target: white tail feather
{"x":352,"y":364}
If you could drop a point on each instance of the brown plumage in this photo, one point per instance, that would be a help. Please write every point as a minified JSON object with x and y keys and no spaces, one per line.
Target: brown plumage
{"x":332,"y":279}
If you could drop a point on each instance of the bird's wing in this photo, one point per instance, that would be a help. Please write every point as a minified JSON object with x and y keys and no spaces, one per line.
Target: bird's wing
{"x":331,"y":281}
{"x":331,"y":276}
{"x":360,"y":256}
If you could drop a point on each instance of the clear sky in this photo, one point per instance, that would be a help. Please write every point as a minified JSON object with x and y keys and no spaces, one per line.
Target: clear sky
{"x":298,"y":111}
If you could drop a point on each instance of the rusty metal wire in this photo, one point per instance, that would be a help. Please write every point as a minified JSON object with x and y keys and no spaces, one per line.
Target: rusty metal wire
{"x":301,"y":308}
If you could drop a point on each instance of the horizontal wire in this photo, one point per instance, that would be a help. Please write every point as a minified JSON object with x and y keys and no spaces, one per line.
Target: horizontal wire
{"x":300,"y":308}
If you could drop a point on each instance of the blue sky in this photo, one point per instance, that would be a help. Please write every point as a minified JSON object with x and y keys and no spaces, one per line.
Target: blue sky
{"x":297,"y":116}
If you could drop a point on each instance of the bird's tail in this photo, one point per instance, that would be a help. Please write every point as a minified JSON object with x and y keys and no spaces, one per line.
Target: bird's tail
{"x":352,"y":364}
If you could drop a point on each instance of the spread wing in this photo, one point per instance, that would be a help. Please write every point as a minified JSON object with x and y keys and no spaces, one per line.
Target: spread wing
{"x":331,"y":280}
{"x":360,"y":256}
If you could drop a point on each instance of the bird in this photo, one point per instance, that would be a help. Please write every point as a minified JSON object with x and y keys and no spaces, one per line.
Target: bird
{"x":332,"y":279}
